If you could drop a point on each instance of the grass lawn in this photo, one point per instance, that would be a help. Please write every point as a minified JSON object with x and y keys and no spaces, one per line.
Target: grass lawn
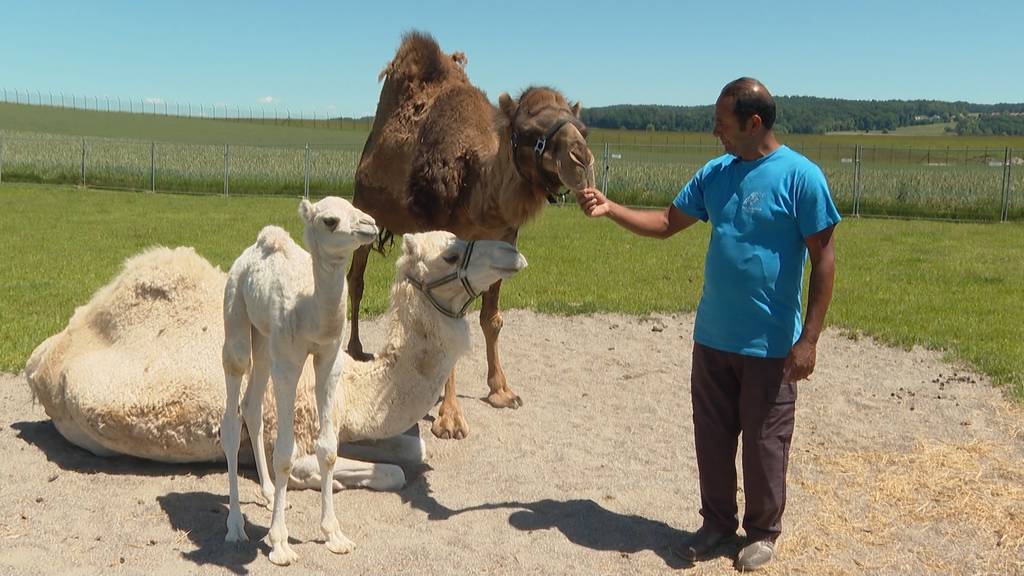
{"x":955,"y":287}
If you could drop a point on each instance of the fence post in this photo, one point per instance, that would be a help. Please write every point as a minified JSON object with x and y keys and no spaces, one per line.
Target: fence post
{"x":305,"y":171}
{"x":226,"y":152}
{"x":1009,"y":183}
{"x":1004,"y":203}
{"x":152,"y":166}
{"x":604,"y":179}
{"x":82,"y":179}
{"x":2,"y":142}
{"x":856,"y":179}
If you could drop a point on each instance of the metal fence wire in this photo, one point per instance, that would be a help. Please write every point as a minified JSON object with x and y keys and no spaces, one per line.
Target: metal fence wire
{"x":968,"y":183}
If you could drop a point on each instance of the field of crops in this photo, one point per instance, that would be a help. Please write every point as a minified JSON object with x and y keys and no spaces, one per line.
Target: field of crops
{"x":194,"y":168}
{"x":934,"y":182}
{"x":953,"y":183}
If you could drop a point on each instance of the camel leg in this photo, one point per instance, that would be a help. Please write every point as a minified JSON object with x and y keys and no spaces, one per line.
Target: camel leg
{"x":235,"y":358}
{"x":450,"y":422}
{"x":347,"y":474}
{"x":328,"y":366}
{"x":501,"y":395}
{"x":285,"y":373}
{"x":355,"y":295}
{"x":406,"y":450}
{"x":252,"y":411}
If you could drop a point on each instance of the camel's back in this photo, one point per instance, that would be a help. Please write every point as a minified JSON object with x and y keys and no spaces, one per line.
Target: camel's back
{"x":137,"y":370}
{"x":271,"y":275}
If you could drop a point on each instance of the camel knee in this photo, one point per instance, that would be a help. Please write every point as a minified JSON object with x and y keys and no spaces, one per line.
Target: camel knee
{"x":282,"y":463}
{"x":326,"y":451}
{"x":236,"y":357}
{"x":252,"y":411}
{"x":491,"y":324}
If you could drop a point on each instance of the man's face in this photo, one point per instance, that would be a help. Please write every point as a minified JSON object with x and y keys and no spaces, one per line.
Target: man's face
{"x":727,"y":126}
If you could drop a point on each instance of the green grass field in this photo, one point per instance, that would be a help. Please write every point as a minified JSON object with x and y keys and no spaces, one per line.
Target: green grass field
{"x":156,"y":128}
{"x":954,"y":287}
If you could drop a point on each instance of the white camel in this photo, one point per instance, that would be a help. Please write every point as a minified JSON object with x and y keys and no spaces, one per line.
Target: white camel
{"x":281,"y":305}
{"x":137,"y":371}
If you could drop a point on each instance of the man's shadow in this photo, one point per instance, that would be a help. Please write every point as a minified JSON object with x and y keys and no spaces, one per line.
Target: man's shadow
{"x":583,"y":522}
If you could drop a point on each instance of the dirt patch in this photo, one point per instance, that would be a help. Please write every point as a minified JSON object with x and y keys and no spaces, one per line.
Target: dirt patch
{"x":901,"y":464}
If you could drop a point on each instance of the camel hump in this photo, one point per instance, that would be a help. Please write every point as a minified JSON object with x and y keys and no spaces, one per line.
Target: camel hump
{"x":420,"y":59}
{"x":273,"y":239}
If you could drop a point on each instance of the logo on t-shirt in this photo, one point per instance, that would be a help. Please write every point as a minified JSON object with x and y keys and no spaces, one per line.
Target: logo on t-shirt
{"x":752,"y":203}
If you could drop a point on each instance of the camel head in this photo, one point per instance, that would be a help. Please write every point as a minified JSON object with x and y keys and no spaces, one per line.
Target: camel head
{"x":334,"y":228}
{"x":549,"y":142}
{"x":451,"y":272}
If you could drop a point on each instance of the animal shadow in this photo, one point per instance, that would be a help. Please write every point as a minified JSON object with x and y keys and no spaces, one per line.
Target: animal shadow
{"x":202,"y":516}
{"x":44,"y":436}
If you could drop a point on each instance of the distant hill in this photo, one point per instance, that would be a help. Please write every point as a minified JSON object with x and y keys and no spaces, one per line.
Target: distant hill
{"x":812,"y":115}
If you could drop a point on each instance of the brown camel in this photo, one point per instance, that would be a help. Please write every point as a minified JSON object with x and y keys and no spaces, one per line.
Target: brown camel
{"x":440,"y":156}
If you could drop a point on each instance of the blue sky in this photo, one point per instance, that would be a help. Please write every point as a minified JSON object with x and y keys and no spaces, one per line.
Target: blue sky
{"x":324,"y":57}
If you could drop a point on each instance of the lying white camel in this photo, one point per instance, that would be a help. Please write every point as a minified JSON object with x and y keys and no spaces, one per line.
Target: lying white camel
{"x":281,"y":305}
{"x":137,"y":372}
{"x":138,"y":369}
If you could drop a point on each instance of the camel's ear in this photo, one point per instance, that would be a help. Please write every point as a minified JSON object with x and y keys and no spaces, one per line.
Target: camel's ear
{"x":576,"y":109}
{"x":306,"y":211}
{"x":507,"y":105}
{"x":410,"y":245}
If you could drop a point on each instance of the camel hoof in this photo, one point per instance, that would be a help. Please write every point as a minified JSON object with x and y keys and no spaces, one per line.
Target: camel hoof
{"x":504,"y":399}
{"x":283,"y":555}
{"x":339,"y":544}
{"x":266,"y":500}
{"x":359,"y":355}
{"x":236,"y":529}
{"x":450,"y":426}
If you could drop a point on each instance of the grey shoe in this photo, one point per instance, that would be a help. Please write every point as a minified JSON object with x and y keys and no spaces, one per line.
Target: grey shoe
{"x":755,"y":555}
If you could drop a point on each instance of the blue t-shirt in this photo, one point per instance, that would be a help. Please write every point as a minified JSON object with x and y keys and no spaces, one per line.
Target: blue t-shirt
{"x":760,"y":212}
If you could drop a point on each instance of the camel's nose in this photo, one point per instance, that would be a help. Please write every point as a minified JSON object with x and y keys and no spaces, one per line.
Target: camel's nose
{"x":365,"y":224}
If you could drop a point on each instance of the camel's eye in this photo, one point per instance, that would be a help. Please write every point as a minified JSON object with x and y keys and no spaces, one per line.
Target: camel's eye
{"x":331,"y":223}
{"x":451,"y":258}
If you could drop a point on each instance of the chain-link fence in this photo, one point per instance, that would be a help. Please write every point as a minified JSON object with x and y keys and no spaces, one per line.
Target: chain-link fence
{"x":950,"y":183}
{"x":188,"y":168}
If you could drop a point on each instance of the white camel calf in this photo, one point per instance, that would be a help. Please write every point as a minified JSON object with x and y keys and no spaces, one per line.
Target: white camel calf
{"x":282,"y":304}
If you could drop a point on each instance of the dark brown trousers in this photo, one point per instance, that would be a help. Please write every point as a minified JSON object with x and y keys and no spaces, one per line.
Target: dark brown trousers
{"x":734,"y":394}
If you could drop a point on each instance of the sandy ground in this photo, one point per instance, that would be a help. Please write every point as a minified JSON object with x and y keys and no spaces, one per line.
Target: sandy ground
{"x":901,"y":464}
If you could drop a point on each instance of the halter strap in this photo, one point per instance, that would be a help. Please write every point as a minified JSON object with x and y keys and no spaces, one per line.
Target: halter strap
{"x":460,"y":274}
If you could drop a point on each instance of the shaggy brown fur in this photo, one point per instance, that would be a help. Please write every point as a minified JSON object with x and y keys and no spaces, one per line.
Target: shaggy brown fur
{"x":440,"y":156}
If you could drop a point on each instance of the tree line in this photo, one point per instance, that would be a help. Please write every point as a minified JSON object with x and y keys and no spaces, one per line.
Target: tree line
{"x":813,"y":115}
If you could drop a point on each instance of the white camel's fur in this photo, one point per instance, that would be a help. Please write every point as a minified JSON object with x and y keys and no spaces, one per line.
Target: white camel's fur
{"x":281,"y":305}
{"x":137,"y":370}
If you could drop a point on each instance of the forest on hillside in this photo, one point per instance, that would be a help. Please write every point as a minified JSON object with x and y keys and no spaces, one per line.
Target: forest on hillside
{"x":813,"y":115}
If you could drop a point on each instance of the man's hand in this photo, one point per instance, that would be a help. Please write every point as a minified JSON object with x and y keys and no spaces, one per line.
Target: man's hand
{"x":593,"y":202}
{"x":800,"y":361}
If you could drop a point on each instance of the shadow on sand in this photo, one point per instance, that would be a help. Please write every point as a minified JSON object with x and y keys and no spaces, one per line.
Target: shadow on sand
{"x":583,"y":522}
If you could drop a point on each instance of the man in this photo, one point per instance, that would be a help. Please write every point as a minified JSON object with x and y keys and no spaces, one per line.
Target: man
{"x":769,"y":207}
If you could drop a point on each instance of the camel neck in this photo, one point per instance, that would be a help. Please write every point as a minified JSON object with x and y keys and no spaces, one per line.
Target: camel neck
{"x":329,"y":286}
{"x":384,"y":397}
